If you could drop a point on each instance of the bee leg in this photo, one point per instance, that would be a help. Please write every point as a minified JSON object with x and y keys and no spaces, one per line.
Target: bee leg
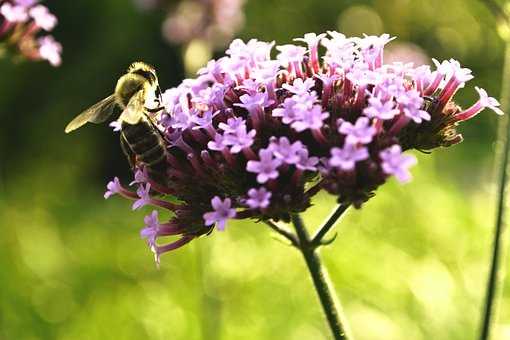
{"x":157,"y":109}
{"x":126,"y":149}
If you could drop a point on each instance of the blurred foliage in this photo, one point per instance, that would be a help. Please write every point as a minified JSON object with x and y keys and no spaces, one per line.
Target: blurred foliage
{"x":411,"y":264}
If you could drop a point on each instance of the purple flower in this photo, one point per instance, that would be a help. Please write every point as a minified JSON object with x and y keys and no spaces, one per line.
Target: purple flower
{"x":290,"y":54}
{"x":218,"y":144}
{"x":265,"y":135}
{"x":202,"y":119}
{"x":255,"y":102}
{"x":453,"y":69}
{"x":213,"y":68}
{"x":484,"y":102}
{"x":394,"y":162}
{"x":340,"y":50}
{"x":143,"y":193}
{"x":240,"y":140}
{"x":266,"y":168}
{"x":488,"y":102}
{"x":299,"y":86}
{"x":50,"y":50}
{"x":361,"y":132}
{"x":258,"y":198}
{"x":232,"y":125}
{"x":287,"y":112}
{"x":347,"y":157}
{"x":312,"y":119}
{"x":411,"y":102}
{"x":286,"y":152}
{"x":266,"y":72}
{"x":305,"y":162}
{"x":43,"y":18}
{"x":222,"y":212}
{"x":151,"y":229}
{"x":141,"y":176}
{"x":113,"y":187}
{"x":311,"y":39}
{"x":378,"y":109}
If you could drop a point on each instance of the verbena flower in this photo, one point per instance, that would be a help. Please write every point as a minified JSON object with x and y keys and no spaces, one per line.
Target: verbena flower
{"x":214,"y":21}
{"x":248,"y":139}
{"x":20,"y":24}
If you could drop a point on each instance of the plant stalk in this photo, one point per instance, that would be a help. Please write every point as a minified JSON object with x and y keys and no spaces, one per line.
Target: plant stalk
{"x":496,"y":274}
{"x":322,"y":283}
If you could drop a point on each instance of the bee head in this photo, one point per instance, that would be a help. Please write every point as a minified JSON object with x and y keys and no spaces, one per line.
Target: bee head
{"x":145,"y":70}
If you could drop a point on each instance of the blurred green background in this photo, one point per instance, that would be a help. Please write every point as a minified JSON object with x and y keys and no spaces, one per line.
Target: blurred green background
{"x":412,"y":264}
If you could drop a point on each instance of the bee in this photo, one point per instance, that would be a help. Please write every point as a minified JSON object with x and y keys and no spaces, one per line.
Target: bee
{"x":140,"y":139}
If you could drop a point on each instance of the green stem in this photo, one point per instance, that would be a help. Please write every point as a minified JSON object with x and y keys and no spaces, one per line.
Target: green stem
{"x":330,"y":223}
{"x":321,"y":281}
{"x":495,"y":274}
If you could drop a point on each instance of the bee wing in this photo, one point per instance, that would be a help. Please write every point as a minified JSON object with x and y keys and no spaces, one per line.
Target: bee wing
{"x":135,"y":109}
{"x":97,"y":113}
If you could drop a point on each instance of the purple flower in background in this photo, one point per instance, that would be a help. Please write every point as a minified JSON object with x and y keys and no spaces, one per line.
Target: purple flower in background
{"x":222,"y":211}
{"x":395,"y":163}
{"x":214,"y":21}
{"x":26,"y":3}
{"x":50,"y":50}
{"x":347,"y":157}
{"x":266,"y":168}
{"x":22,"y":20}
{"x":13,"y":13}
{"x":43,"y":18}
{"x":258,"y":198}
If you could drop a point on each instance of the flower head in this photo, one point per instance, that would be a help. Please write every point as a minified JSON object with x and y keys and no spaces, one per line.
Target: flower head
{"x":255,"y":137}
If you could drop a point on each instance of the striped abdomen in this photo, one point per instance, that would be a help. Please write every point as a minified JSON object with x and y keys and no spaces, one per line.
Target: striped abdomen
{"x":147,"y":145}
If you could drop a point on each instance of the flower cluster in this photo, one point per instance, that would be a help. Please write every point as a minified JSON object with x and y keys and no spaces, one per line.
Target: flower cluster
{"x":214,"y":21}
{"x":256,"y":137}
{"x":20,"y":23}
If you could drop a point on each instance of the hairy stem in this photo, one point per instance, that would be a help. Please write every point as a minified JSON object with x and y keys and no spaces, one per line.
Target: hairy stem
{"x":495,"y":274}
{"x":283,"y":232}
{"x":330,"y":223}
{"x":321,"y":281}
